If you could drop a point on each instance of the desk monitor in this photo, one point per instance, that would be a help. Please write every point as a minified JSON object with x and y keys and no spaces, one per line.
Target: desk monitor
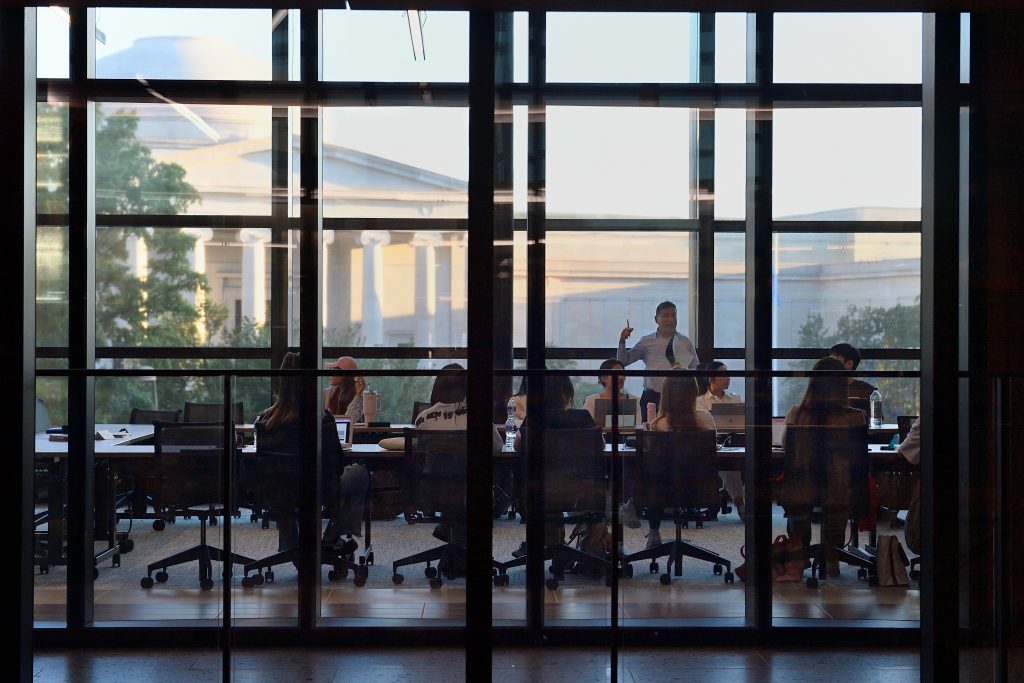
{"x":778,"y":426}
{"x":627,"y":412}
{"x":904,"y":423}
{"x":729,"y":417}
{"x":344,"y":425}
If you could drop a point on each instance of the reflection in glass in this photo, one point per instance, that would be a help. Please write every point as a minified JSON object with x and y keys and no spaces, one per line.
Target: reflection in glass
{"x":617,"y":162}
{"x":618,"y":47}
{"x":363,"y":45}
{"x":843,"y":47}
{"x":730,"y":290}
{"x":182,"y":287}
{"x":861,"y":288}
{"x":53,"y":33}
{"x":49,"y":599}
{"x":380,"y":162}
{"x":201,"y":44}
{"x":52,"y":286}
{"x":846,"y":164}
{"x":730,"y":47}
{"x":730,"y":164}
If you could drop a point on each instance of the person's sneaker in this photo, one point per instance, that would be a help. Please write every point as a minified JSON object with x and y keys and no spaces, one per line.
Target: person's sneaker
{"x":520,"y":551}
{"x":653,"y":538}
{"x":627,"y":515}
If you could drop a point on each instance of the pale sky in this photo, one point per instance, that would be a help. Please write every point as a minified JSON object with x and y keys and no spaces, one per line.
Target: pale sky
{"x":601,"y":161}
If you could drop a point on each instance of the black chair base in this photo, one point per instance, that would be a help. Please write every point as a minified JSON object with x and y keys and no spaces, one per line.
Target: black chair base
{"x":862,"y":558}
{"x":564,"y":559}
{"x":342,"y":564}
{"x":675,"y":551}
{"x":204,"y":553}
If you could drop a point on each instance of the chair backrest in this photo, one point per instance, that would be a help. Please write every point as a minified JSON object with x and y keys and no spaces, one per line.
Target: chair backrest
{"x":417,"y":408}
{"x":826,"y":465}
{"x":575,"y":470}
{"x":678,"y":469}
{"x":142,"y":416}
{"x":42,"y":416}
{"x":211,"y":412}
{"x":273,"y":477}
{"x":904,"y":423}
{"x":435,"y":470}
{"x":188,"y":462}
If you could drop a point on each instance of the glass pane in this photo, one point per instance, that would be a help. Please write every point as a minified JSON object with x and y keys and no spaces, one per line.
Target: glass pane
{"x":618,"y":47}
{"x":847,"y":48}
{"x":391,"y":288}
{"x":206,"y":44}
{"x":396,"y":46}
{"x":864,"y":289}
{"x":730,"y":164}
{"x":54,"y":39}
{"x":49,"y":561}
{"x":586,"y":308}
{"x":380,"y":162}
{"x":172,"y":159}
{"x":731,"y":47}
{"x":52,"y":286}
{"x":182,"y":287}
{"x":51,"y":158}
{"x":521,"y":47}
{"x":847,"y":164}
{"x":965,"y":47}
{"x":730,"y":290}
{"x":616,"y":162}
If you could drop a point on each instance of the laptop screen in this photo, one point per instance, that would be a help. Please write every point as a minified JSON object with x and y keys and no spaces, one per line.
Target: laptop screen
{"x":627,"y":412}
{"x":344,"y":425}
{"x":904,"y":423}
{"x":729,"y":417}
{"x":778,"y":426}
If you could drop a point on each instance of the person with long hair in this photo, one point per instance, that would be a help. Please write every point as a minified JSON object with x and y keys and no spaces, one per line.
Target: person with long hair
{"x":345,"y":394}
{"x":677,"y":412}
{"x":278,"y":430}
{"x":448,"y":408}
{"x":825,"y":403}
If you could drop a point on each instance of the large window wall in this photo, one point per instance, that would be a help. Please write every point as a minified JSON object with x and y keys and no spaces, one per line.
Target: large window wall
{"x":301,"y":182}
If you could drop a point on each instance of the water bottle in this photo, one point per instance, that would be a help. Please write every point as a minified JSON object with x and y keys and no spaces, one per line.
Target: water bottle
{"x":511,"y":427}
{"x":875,"y":420}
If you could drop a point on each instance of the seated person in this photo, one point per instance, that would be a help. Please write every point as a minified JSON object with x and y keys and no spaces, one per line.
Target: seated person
{"x":448,"y":411}
{"x":278,"y":429}
{"x":677,"y":412}
{"x":825,"y":403}
{"x":606,"y":382}
{"x":345,"y":395}
{"x":718,"y":392}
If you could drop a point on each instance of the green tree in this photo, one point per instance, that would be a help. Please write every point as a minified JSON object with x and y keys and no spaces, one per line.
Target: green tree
{"x":870,"y":327}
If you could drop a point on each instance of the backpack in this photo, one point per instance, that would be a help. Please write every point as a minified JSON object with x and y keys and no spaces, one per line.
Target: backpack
{"x":891,"y":562}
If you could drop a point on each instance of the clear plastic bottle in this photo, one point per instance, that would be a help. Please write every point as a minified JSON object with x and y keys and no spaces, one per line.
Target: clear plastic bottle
{"x":875,"y":420}
{"x":511,"y":427}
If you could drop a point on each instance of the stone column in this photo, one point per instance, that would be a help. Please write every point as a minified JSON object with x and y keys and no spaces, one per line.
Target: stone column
{"x":197,"y":262}
{"x":426,"y":286}
{"x":254,"y":273}
{"x":373,"y":284}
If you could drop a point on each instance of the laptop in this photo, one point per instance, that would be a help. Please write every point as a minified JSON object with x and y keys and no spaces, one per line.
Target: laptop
{"x":904,"y":423}
{"x":343,"y":423}
{"x":729,"y":417}
{"x":627,"y":412}
{"x":778,"y":427}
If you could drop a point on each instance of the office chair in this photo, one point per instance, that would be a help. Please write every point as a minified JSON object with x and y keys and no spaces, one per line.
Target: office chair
{"x":143,"y":491}
{"x":827,"y":466}
{"x":575,"y":486}
{"x":211,"y":412}
{"x":678,"y":471}
{"x":417,"y":408}
{"x":274,"y":479}
{"x":188,"y":463}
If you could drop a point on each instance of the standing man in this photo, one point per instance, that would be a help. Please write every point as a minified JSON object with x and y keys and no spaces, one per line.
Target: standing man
{"x":663,"y":349}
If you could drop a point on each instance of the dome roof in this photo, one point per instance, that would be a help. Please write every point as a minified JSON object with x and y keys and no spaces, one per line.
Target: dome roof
{"x":182,"y":57}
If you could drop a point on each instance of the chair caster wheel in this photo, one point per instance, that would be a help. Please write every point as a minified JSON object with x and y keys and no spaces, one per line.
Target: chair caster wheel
{"x":44,"y":569}
{"x":654,"y":567}
{"x":812,"y":582}
{"x":257,"y":580}
{"x":872,"y":581}
{"x":95,"y":573}
{"x":435,"y":583}
{"x":718,"y":570}
{"x":159,"y":524}
{"x":126,"y":546}
{"x":730,"y":577}
{"x":430,"y":572}
{"x":115,"y":561}
{"x":511,"y":514}
{"x":915,"y":574}
{"x":247,"y":582}
{"x":369,"y":558}
{"x":161,"y":577}
{"x":494,"y":572}
{"x":552,"y":584}
{"x":146,"y":582}
{"x":627,"y":571}
{"x":862,"y":574}
{"x":359,"y":581}
{"x":253,"y":517}
{"x":206,"y":584}
{"x":397,"y":578}
{"x":338,"y":574}
{"x":501,"y":580}
{"x":269,"y":576}
{"x":665,"y":579}
{"x":213,"y":521}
